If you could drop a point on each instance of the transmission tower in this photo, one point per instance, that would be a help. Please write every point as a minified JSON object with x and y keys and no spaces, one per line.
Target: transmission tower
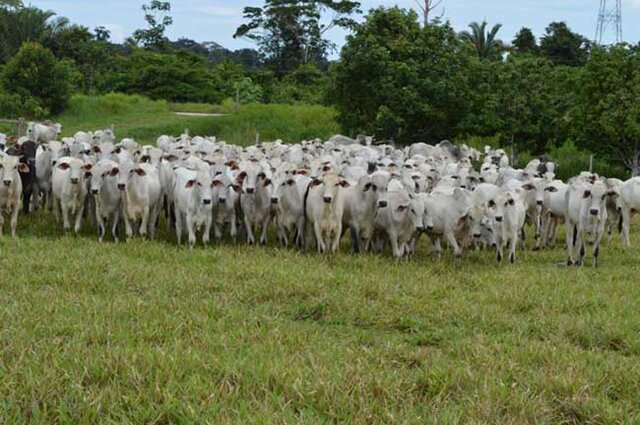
{"x":609,"y":16}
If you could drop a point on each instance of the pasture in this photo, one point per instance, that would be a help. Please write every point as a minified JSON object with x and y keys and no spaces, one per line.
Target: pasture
{"x":150,"y":332}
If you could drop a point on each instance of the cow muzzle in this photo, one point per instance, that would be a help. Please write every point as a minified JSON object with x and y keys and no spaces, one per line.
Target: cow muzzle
{"x":206,"y":201}
{"x":7,"y":182}
{"x":499,"y":218}
{"x":74,"y":180}
{"x":382,"y":204}
{"x":250,"y":190}
{"x":122,"y":186}
{"x":222,"y":200}
{"x":477,"y":235}
{"x":539,"y":202}
{"x":94,"y":191}
{"x":274,"y":200}
{"x":593,"y":211}
{"x":327,"y":199}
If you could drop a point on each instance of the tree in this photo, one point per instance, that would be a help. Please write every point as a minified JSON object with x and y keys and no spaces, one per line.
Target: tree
{"x":563,"y":46}
{"x":525,"y":42}
{"x":607,"y":115}
{"x":34,"y":73}
{"x":400,"y":81}
{"x":28,"y":24}
{"x":15,"y":4}
{"x":486,"y":45}
{"x":426,"y":6}
{"x":102,"y":34}
{"x":157,"y":16}
{"x":292,"y":32}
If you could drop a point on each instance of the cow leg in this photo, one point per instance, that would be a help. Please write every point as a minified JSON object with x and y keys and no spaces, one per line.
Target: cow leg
{"x":114,"y":225}
{"x":78,"y":223}
{"x":512,"y":248}
{"x":206,"y":236}
{"x":317,"y":229}
{"x":14,"y":220}
{"x":453,"y":243}
{"x":335,"y":243}
{"x":626,"y":221}
{"x":190,"y":231}
{"x":355,"y":239}
{"x":1,"y":222}
{"x":144,"y":222}
{"x":569,"y":225}
{"x":265,"y":230}
{"x":65,"y":217}
{"x":128,"y":227}
{"x":101,"y":227}
{"x":247,"y":224}
{"x":178,"y":223}
{"x":580,"y":239}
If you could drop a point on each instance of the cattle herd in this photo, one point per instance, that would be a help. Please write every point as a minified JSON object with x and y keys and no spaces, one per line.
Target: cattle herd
{"x":311,"y":193}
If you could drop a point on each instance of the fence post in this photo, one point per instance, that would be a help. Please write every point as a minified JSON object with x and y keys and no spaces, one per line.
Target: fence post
{"x":257,"y":138}
{"x":591,"y":163}
{"x":21,"y":130}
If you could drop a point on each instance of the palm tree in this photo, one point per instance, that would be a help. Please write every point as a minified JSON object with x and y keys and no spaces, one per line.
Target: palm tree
{"x":485,"y":43}
{"x":27,"y":24}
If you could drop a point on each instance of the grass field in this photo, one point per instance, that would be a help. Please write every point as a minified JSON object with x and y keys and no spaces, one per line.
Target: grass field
{"x":145,"y":120}
{"x":148,"y":332}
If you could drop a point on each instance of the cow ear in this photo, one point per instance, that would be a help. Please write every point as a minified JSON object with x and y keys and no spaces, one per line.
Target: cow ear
{"x":586,"y":194}
{"x":402,"y":208}
{"x":316,"y":182}
{"x":241,"y":176}
{"x":88,"y":167}
{"x":267,"y":182}
{"x":216,"y":183}
{"x":114,"y":172}
{"x":613,"y":193}
{"x":550,"y":189}
{"x":237,"y":188}
{"x":171,"y":158}
{"x":23,"y":168}
{"x":528,"y":186}
{"x":190,"y":184}
{"x":140,"y":172}
{"x":291,"y":182}
{"x":63,"y":166}
{"x":344,"y":183}
{"x":462,"y":220}
{"x":366,"y":187}
{"x":97,"y":149}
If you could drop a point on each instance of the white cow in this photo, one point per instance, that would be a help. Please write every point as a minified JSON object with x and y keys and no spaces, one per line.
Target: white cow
{"x":630,"y":204}
{"x":400,"y":220}
{"x":449,"y":211}
{"x":69,"y":190}
{"x":193,"y":203}
{"x":586,"y":215}
{"x":324,"y":208}
{"x":10,"y":189}
{"x":255,"y":201}
{"x":226,"y":200}
{"x":141,"y":190}
{"x":108,"y":199}
{"x":510,"y":223}
{"x":43,"y":132}
{"x":288,"y":202}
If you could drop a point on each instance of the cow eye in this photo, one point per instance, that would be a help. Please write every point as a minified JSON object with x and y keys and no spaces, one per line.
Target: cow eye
{"x":604,"y":196}
{"x":511,"y":202}
{"x":374,"y":187}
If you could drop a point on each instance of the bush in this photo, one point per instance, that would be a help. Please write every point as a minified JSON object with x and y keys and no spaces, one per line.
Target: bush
{"x":38,"y":84}
{"x":572,"y":160}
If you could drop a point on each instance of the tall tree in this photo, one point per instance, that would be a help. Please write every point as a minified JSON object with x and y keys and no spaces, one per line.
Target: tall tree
{"x":607,"y":116}
{"x":21,"y":25}
{"x":426,"y":7}
{"x":157,"y":16}
{"x":525,"y":42}
{"x":11,"y":3}
{"x":485,"y":43}
{"x":400,"y":81}
{"x":293,"y":32}
{"x":563,"y":46}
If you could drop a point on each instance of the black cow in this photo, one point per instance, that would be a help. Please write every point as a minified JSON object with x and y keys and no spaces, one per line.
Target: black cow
{"x":27,"y":153}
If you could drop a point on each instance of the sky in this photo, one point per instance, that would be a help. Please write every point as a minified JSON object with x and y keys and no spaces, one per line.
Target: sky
{"x":217,"y":20}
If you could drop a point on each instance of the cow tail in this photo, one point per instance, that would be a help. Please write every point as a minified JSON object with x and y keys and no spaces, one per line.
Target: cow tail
{"x":620,"y":224}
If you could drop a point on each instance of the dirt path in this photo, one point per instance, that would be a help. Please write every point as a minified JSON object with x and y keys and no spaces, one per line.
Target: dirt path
{"x":198,"y":114}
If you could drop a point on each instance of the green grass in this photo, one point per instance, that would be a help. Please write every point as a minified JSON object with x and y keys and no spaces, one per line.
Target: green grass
{"x":148,"y":332}
{"x":145,"y":120}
